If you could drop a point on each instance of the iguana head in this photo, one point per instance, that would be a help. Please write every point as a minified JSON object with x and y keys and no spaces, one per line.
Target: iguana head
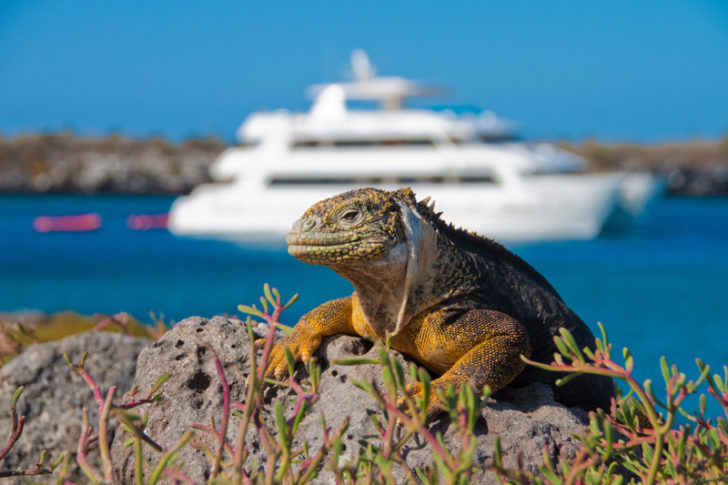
{"x":387,"y":244}
{"x":357,"y":226}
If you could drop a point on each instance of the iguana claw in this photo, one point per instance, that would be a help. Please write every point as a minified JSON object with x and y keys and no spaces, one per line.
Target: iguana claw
{"x":301,"y":348}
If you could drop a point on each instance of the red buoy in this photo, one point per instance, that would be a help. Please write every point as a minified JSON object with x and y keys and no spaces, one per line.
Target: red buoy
{"x":79,"y":223}
{"x":145,"y":222}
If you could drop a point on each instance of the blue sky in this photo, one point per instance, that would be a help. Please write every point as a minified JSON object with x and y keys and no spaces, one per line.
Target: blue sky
{"x":617,"y":70}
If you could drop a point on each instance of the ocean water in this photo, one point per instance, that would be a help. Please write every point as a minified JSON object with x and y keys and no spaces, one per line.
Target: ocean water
{"x":660,"y":288}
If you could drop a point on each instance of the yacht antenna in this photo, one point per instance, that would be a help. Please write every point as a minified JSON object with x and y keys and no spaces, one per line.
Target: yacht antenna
{"x":361,"y":67}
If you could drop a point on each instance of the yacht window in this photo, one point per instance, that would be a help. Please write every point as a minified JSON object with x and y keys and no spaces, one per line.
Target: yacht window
{"x":417,"y":142}
{"x":421,"y":180}
{"x":537,"y":172}
{"x":495,"y":139}
{"x":477,"y":179}
{"x":361,"y":143}
{"x":325,"y":180}
{"x":306,"y":144}
{"x":402,"y":180}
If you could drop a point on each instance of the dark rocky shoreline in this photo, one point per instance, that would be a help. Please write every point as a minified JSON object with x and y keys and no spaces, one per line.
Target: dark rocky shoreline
{"x":65,"y":163}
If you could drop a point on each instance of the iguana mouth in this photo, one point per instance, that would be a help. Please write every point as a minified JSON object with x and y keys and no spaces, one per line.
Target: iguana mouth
{"x":325,"y":248}
{"x":295,"y":238}
{"x":308,"y":251}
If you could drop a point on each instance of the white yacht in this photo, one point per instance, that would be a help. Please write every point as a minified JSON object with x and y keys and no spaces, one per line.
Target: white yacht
{"x":480,"y":175}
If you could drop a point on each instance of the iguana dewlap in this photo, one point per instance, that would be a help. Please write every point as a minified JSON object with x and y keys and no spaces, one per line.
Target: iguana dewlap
{"x":461,"y":305}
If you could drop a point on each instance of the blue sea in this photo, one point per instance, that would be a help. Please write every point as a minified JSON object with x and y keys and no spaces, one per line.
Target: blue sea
{"x":660,"y":288}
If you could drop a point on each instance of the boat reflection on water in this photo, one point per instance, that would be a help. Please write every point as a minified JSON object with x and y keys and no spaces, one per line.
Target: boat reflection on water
{"x":481,"y":175}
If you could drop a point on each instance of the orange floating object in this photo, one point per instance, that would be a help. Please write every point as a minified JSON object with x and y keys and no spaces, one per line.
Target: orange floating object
{"x":79,"y":223}
{"x":145,"y":222}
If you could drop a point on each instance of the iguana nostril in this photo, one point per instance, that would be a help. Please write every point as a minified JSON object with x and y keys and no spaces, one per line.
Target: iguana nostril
{"x":308,"y":224}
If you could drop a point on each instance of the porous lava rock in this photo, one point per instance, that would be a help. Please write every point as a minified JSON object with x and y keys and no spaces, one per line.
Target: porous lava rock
{"x":55,"y":394}
{"x":528,"y":420}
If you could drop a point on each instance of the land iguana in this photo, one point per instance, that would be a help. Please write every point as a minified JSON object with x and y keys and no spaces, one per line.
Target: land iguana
{"x":461,"y":305}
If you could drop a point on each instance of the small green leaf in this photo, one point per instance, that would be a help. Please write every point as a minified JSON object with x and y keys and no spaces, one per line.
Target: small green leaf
{"x":704,"y":370}
{"x":293,"y":300}
{"x":424,"y":378}
{"x":299,"y":417}
{"x":250,"y":310}
{"x":285,"y":329}
{"x":722,"y":424}
{"x":289,"y":360}
{"x":283,"y":430}
{"x":497,"y":452}
{"x":565,"y":380}
{"x":718,"y":380}
{"x":160,"y":382}
{"x":589,"y":353}
{"x":365,"y":386}
{"x":471,"y":406}
{"x":603,"y":331}
{"x":388,"y":379}
{"x":651,"y":395}
{"x":549,"y":474}
{"x":412,"y":372}
{"x":561,"y":346}
{"x":628,"y":360}
{"x":609,"y":436}
{"x":571,"y":343}
{"x":58,"y":461}
{"x":264,"y":304}
{"x":16,"y":396}
{"x":486,"y":393}
{"x":665,"y":369}
{"x":42,"y":458}
{"x":399,"y":374}
{"x":268,"y":295}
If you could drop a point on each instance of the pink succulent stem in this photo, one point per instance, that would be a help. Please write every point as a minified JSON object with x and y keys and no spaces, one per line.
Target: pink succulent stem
{"x":92,"y":384}
{"x":302,"y":398}
{"x":17,"y":429}
{"x":221,"y":441}
{"x":426,"y":434}
{"x":83,"y":441}
{"x":177,"y":476}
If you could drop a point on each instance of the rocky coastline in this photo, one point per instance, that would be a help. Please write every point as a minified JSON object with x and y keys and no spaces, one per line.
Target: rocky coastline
{"x":66,"y":163}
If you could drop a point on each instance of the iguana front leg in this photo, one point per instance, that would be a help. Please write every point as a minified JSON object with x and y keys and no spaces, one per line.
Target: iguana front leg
{"x":485,"y":346}
{"x":330,"y":318}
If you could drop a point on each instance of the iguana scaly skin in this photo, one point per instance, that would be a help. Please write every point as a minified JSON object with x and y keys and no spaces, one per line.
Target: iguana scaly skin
{"x":461,"y":305}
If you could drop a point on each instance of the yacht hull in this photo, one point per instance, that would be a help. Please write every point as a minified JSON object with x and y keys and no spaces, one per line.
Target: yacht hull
{"x":544,"y":207}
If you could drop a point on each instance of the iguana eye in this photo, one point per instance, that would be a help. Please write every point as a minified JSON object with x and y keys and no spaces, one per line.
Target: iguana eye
{"x":350,"y":216}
